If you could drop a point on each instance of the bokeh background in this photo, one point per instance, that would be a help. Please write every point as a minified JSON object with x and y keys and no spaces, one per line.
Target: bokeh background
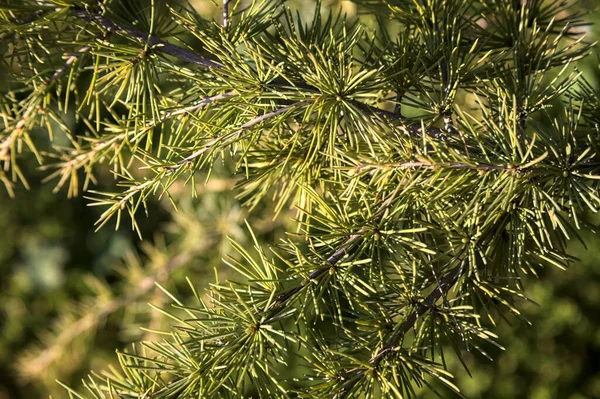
{"x":70,"y":296}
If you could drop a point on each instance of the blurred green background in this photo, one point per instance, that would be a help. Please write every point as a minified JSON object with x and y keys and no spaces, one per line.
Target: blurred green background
{"x":70,"y":296}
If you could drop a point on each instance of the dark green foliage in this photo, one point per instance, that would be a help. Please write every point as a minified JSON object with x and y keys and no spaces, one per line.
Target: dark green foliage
{"x":428,"y":175}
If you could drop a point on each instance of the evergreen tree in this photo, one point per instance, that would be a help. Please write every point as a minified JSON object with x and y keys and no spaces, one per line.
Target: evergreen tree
{"x":434,"y":151}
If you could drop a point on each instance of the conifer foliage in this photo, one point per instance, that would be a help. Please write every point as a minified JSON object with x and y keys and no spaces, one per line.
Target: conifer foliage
{"x":435,"y":152}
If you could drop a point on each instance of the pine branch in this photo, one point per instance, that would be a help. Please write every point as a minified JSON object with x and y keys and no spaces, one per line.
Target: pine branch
{"x":156,"y":43}
{"x":441,"y":165}
{"x":236,"y":134}
{"x":192,"y":57}
{"x":425,"y":306}
{"x":191,"y":108}
{"x":283,"y":298}
{"x":7,"y":145}
{"x":68,"y":167}
{"x":68,"y":63}
{"x":225,"y":14}
{"x":34,"y":16}
{"x":30,"y":18}
{"x":334,"y":258}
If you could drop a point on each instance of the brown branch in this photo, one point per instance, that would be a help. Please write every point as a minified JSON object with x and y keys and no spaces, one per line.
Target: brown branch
{"x":156,"y":42}
{"x":199,"y":104}
{"x":391,"y":344}
{"x":34,"y":16}
{"x":192,"y":57}
{"x":68,"y":63}
{"x":423,"y":307}
{"x":441,"y":165}
{"x":236,"y":134}
{"x":335,"y":257}
{"x":30,"y":18}
{"x":315,"y":274}
{"x":75,"y":162}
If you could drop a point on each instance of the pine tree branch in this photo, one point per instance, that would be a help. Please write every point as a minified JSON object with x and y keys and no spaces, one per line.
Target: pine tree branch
{"x":447,"y":113}
{"x":423,"y":307}
{"x":192,"y":57}
{"x":8,"y":142}
{"x":398,"y":106}
{"x":29,"y":18}
{"x":200,"y":104}
{"x":332,"y":260}
{"x":78,"y":161}
{"x":391,"y":344}
{"x":236,"y":134}
{"x":335,"y":257}
{"x":443,"y":165}
{"x":315,"y":274}
{"x":157,"y":43}
{"x":68,"y":63}
{"x":34,"y":16}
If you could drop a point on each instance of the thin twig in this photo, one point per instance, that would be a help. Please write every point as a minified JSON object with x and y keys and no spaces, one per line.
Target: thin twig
{"x":398,"y":107}
{"x":157,"y":43}
{"x":192,"y":57}
{"x":8,"y":143}
{"x":389,"y":346}
{"x":442,"y":165}
{"x":447,"y":115}
{"x":426,"y":305}
{"x":198,"y":105}
{"x":34,"y":16}
{"x":31,"y":17}
{"x":226,"y":14}
{"x":414,"y":128}
{"x":236,"y":134}
{"x":80,"y":160}
{"x":68,"y":63}
{"x":335,"y":257}
{"x":315,"y":274}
